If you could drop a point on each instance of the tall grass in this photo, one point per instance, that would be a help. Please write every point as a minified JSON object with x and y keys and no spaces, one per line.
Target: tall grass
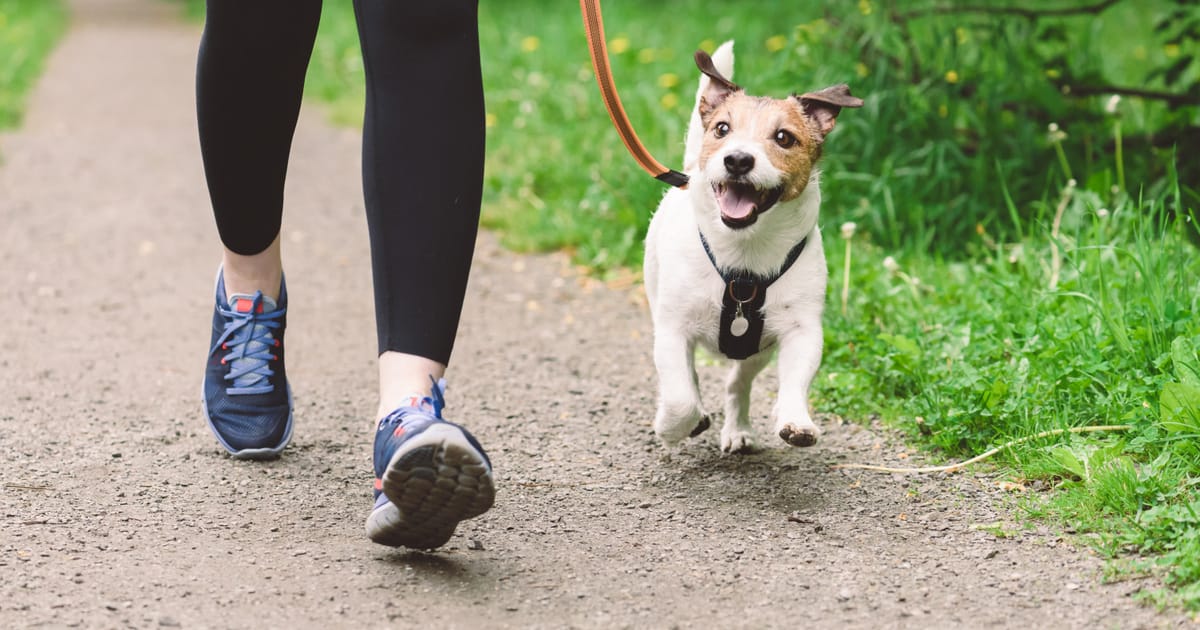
{"x":972,"y":353}
{"x":28,"y":31}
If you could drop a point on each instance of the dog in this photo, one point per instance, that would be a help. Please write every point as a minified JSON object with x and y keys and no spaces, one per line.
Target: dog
{"x":734,"y":262}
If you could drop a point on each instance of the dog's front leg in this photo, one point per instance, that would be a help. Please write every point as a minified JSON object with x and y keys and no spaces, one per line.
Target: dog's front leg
{"x":799,"y":357}
{"x":679,"y":413}
{"x":737,"y":436}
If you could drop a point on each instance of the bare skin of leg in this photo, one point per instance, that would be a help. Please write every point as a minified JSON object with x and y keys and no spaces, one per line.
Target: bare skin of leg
{"x":259,"y":272}
{"x":402,"y":376}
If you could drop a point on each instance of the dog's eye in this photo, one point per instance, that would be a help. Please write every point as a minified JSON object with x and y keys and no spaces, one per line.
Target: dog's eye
{"x":784,"y":139}
{"x":721,"y":130}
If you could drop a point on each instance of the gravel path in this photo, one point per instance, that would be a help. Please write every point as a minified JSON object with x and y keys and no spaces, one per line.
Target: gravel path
{"x":118,"y":508}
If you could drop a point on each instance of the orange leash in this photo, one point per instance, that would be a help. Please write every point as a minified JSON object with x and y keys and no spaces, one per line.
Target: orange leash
{"x":594,"y":25}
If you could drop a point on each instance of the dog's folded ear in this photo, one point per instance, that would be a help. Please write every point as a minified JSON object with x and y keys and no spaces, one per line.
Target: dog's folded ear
{"x":718,"y":86}
{"x":823,"y":106}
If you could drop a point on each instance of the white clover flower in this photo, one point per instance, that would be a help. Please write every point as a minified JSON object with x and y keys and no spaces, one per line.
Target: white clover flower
{"x":890,"y":264}
{"x":1071,"y":183}
{"x":1111,"y":105}
{"x":1055,"y":134}
{"x":848,"y":229}
{"x":1102,"y":212}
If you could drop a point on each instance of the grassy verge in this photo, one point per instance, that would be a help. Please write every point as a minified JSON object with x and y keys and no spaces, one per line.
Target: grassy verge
{"x":969,"y":354}
{"x":28,"y":31}
{"x":1003,"y":280}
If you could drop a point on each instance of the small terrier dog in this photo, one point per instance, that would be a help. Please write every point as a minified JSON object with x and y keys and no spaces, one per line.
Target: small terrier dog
{"x":735,"y":262}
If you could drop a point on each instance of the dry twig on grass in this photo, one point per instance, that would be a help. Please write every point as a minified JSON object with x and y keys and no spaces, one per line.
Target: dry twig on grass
{"x":951,"y":468}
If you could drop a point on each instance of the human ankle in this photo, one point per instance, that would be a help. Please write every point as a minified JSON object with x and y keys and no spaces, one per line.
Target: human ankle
{"x":257,"y":272}
{"x":403,"y":377}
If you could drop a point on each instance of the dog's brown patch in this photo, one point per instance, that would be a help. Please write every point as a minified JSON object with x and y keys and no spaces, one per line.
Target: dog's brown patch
{"x":761,"y":119}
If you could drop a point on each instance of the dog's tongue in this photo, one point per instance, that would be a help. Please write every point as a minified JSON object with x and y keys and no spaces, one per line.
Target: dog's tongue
{"x":737,"y":202}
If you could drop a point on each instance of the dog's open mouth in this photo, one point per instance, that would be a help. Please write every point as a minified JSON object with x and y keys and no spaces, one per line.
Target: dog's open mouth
{"x":741,"y":203}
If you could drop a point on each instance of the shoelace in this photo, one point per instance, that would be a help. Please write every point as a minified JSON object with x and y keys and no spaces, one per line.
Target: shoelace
{"x":248,"y":338}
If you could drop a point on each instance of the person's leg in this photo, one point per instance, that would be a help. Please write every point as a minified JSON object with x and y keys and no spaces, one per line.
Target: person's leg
{"x":423,"y":179}
{"x":249,"y":80}
{"x":423,"y":141}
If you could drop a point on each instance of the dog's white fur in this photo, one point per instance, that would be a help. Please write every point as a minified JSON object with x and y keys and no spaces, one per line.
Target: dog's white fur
{"x":685,"y":292}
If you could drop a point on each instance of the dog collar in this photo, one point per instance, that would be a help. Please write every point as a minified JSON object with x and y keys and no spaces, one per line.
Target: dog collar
{"x":742,"y":302}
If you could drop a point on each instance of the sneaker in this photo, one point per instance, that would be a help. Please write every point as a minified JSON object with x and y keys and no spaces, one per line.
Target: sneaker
{"x":429,"y":475}
{"x":247,"y":400}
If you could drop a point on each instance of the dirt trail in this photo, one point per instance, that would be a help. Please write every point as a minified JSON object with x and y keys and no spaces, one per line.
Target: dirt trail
{"x":118,"y":508}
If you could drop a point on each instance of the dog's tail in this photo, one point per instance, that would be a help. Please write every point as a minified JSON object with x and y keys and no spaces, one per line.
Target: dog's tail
{"x":723,"y":60}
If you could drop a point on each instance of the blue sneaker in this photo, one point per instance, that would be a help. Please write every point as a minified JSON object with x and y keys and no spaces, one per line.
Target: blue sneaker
{"x":247,"y":400}
{"x":429,"y":475}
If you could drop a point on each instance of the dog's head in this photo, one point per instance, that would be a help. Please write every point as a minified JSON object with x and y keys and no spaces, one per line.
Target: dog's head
{"x":758,"y":152}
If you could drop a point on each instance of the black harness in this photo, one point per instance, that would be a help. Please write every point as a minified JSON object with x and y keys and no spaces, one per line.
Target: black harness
{"x":741,"y":305}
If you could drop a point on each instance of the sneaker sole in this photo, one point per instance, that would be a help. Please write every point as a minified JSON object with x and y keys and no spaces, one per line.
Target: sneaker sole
{"x":434,"y":482}
{"x":250,"y":453}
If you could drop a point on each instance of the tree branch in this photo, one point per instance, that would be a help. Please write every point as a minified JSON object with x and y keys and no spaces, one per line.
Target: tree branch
{"x":1170,"y":98}
{"x":1031,"y":14}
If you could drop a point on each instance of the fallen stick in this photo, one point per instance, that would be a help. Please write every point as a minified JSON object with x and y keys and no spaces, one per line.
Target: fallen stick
{"x":951,"y":468}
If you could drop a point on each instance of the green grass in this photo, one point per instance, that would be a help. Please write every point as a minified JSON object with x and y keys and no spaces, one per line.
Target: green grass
{"x":972,"y":353}
{"x":971,"y":319}
{"x":28,"y":31}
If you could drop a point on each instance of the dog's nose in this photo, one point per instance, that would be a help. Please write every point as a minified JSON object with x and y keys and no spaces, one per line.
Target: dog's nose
{"x":739,"y":163}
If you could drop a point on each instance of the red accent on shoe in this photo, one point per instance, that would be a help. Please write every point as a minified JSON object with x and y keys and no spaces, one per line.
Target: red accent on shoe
{"x":243,"y":306}
{"x":378,"y":484}
{"x":398,"y":432}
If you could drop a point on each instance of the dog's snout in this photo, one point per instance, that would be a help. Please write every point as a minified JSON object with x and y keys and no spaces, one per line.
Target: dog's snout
{"x":739,"y":163}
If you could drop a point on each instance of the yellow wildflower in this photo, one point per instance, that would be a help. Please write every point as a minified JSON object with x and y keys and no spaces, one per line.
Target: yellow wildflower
{"x":646,"y":55}
{"x":951,"y":76}
{"x":669,"y":100}
{"x":530,"y":43}
{"x":708,"y":46}
{"x":619,"y":44}
{"x":489,"y":120}
{"x":1171,"y":50}
{"x":861,"y":70}
{"x":668,"y":80}
{"x":776,"y":43}
{"x":1053,"y":73}
{"x":864,"y":7}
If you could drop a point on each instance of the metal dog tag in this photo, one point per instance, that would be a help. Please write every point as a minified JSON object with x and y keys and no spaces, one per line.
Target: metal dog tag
{"x":740,"y":324}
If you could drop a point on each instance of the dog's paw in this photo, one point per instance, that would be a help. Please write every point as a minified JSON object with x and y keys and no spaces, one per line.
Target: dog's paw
{"x":672,"y":428}
{"x":738,"y":440}
{"x":799,"y":436}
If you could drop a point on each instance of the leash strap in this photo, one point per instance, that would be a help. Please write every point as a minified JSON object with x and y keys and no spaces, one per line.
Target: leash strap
{"x":593,"y":23}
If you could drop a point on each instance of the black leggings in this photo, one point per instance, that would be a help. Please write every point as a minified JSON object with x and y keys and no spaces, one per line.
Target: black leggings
{"x":423,"y":143}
